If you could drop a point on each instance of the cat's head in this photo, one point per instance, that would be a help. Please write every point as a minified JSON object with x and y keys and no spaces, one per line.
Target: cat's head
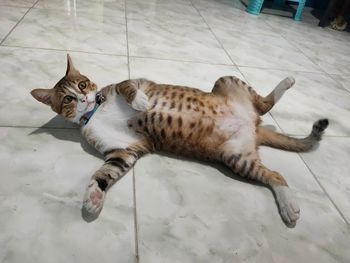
{"x":72,"y":97}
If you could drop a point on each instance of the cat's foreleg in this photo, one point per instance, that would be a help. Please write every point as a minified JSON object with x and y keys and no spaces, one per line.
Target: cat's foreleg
{"x":117,"y":163}
{"x":131,"y":91}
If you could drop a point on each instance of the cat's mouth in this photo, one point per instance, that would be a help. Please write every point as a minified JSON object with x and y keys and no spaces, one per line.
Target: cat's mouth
{"x":90,"y":105}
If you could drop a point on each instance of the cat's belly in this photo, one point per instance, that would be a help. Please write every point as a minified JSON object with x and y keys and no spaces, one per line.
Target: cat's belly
{"x":107,"y":129}
{"x":192,"y":133}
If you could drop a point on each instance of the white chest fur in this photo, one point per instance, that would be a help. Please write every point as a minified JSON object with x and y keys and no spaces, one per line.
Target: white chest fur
{"x":107,"y":129}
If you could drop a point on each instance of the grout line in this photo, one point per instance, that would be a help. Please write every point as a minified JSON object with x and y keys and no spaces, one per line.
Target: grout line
{"x":279,"y":126}
{"x":337,"y":81}
{"x":222,"y":46}
{"x":19,"y":21}
{"x":136,"y":238}
{"x":136,"y":229}
{"x":280,"y":69}
{"x":36,"y":127}
{"x":165,"y":59}
{"x":16,"y":6}
{"x":82,"y":13}
{"x":127,"y":37}
{"x":325,"y":191}
{"x":64,"y":50}
{"x":182,"y":60}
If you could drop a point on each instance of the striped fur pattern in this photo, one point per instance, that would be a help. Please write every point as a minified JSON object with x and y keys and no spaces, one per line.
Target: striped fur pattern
{"x":140,"y":116}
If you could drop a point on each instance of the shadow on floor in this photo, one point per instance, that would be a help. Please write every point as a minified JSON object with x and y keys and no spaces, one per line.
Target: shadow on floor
{"x":65,"y":135}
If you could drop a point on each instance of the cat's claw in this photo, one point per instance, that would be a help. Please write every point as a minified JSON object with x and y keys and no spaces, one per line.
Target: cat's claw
{"x":140,"y":102}
{"x":94,"y":198}
{"x":289,"y":208}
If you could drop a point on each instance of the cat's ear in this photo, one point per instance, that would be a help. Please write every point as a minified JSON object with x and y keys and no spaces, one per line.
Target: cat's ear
{"x":42,"y":95}
{"x":71,"y":70}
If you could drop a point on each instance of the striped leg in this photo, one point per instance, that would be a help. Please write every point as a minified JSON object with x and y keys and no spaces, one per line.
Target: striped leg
{"x":117,"y":163}
{"x":248,"y":165}
{"x":231,"y":86}
{"x":265,"y":104}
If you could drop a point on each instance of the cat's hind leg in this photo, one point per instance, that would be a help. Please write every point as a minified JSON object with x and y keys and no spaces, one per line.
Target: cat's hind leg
{"x":230,"y":86}
{"x":281,"y":141}
{"x":248,"y":165}
{"x":117,"y":163}
{"x":265,"y":104}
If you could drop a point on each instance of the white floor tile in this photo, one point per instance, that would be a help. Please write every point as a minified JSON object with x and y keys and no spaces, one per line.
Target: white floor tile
{"x":46,"y":172}
{"x":17,"y":3}
{"x":297,"y":30}
{"x":108,"y":8}
{"x":236,"y":20}
{"x":197,"y":75}
{"x":174,"y":41}
{"x":44,"y":28}
{"x":330,"y":164}
{"x":164,"y":12}
{"x":331,"y":55}
{"x":9,"y":17}
{"x":188,"y":212}
{"x":343,"y":80}
{"x":261,"y":50}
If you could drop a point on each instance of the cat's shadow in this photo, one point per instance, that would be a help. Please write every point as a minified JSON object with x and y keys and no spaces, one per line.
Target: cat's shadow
{"x":57,"y":127}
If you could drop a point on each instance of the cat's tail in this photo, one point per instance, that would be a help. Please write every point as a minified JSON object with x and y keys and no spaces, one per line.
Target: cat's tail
{"x":280,"y":141}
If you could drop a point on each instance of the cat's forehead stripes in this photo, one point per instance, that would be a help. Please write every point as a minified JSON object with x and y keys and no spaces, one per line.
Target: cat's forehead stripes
{"x":72,"y":85}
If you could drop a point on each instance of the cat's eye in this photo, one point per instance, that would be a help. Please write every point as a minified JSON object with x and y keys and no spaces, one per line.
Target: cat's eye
{"x":68,"y":99}
{"x":82,"y":85}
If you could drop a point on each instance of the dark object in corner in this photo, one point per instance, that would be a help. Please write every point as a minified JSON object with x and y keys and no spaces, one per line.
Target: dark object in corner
{"x":325,"y":18}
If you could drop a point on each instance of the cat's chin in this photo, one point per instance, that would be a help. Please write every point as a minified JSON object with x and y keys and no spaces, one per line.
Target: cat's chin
{"x":79,"y":115}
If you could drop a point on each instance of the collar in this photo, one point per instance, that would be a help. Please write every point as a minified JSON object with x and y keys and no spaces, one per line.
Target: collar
{"x":87,"y":116}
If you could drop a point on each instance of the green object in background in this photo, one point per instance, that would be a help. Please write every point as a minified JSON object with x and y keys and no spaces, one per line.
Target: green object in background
{"x":254,"y":7}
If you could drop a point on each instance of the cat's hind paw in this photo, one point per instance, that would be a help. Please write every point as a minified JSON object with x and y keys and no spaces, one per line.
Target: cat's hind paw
{"x":289,"y":81}
{"x":94,"y":198}
{"x":288,"y":206}
{"x":140,"y":102}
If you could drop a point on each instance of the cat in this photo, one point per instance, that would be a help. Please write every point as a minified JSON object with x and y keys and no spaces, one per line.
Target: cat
{"x":127,"y":120}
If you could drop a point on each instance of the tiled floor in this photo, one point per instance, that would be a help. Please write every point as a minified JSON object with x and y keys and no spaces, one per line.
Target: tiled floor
{"x":186,"y":211}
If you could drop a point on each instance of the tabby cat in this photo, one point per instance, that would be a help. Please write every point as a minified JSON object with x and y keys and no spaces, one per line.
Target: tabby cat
{"x":127,"y":120}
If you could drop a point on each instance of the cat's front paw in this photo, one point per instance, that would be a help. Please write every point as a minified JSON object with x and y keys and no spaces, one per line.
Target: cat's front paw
{"x":94,"y":198}
{"x":100,"y":98}
{"x":289,"y":208}
{"x":140,"y":102}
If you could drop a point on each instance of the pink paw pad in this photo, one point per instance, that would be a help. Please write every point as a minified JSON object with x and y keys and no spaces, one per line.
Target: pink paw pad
{"x":94,"y":197}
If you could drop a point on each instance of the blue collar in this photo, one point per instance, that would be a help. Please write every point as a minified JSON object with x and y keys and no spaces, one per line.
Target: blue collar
{"x":86,"y":117}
